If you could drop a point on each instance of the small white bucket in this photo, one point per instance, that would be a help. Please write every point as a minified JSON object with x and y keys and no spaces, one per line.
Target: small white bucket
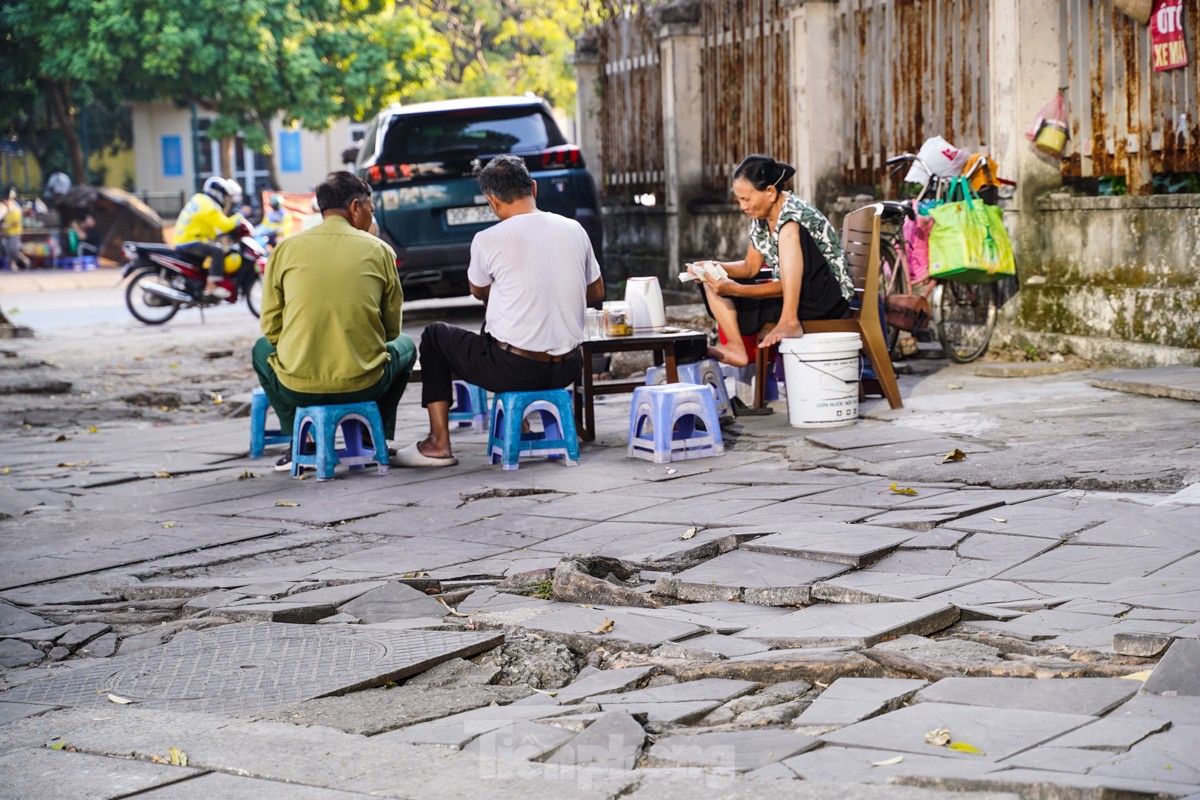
{"x":822,"y":372}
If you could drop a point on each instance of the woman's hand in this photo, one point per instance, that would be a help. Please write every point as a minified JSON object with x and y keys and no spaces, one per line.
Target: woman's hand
{"x":726,"y":287}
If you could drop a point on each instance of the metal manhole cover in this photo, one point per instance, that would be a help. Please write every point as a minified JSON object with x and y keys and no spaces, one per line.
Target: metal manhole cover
{"x":254,"y":666}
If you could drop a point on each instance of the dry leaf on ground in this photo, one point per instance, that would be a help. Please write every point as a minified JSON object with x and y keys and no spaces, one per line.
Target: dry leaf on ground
{"x":177,"y":757}
{"x":112,"y":698}
{"x":453,"y":612}
{"x":169,"y":524}
{"x":896,"y":489}
{"x":689,"y":533}
{"x":887,"y":762}
{"x":963,"y":747}
{"x":163,"y":475}
{"x":939,"y":737}
{"x":62,"y":437}
{"x":286,"y":504}
{"x":246,"y":475}
{"x":954,"y":455}
{"x":605,"y":627}
{"x":74,"y":463}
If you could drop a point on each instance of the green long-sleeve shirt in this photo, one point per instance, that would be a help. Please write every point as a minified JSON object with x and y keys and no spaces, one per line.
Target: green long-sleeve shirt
{"x":331,"y":300}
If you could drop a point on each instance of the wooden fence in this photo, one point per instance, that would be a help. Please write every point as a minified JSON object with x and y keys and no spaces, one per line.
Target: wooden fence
{"x":1127,"y":119}
{"x":746,"y":85}
{"x":911,"y":70}
{"x":631,"y":91}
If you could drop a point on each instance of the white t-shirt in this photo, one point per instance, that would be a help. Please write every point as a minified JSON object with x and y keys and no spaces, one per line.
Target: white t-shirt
{"x":539,"y":266}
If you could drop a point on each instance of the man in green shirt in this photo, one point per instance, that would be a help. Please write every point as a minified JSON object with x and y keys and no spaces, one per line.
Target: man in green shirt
{"x":331,"y":314}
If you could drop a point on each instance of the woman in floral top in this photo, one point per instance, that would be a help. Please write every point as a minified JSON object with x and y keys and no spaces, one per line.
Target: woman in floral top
{"x":809,"y":277}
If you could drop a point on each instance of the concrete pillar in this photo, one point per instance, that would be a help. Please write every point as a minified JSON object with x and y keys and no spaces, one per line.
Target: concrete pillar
{"x":683,"y":121}
{"x":816,"y":96}
{"x":587,"y":104}
{"x":1024,"y":55}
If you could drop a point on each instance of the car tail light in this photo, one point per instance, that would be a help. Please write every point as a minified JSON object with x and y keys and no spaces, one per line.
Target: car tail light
{"x":374,"y":174}
{"x":567,"y":155}
{"x":391,"y":172}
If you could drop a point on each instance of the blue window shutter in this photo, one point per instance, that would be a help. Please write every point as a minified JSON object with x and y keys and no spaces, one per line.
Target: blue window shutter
{"x":289,"y":151}
{"x":172,"y":156}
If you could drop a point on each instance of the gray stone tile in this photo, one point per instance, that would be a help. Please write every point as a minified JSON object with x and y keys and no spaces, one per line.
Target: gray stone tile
{"x":929,"y":446}
{"x":1113,"y":733}
{"x":1058,"y":759}
{"x":917,"y":562}
{"x":1176,"y":710}
{"x":515,"y":562}
{"x":997,"y":732}
{"x":1003,"y":548}
{"x":761,"y":578}
{"x":392,"y":601}
{"x":1178,"y":673}
{"x":1092,"y":563}
{"x":1179,"y":382}
{"x":737,"y":752}
{"x":1043,"y":625}
{"x":880,"y":587}
{"x":1018,"y":781}
{"x":1051,"y":518}
{"x":634,"y":541}
{"x":842,"y":765}
{"x":14,"y":653}
{"x":576,"y":626}
{"x":877,"y":494}
{"x":705,"y":510}
{"x":238,"y":787}
{"x":920,"y":519}
{"x":1086,"y":696}
{"x":508,"y":530}
{"x":11,"y":711}
{"x":866,"y":436}
{"x":602,"y":682}
{"x":716,"y":617}
{"x":803,"y":508}
{"x":682,"y":712}
{"x":526,"y":741}
{"x":1168,"y":756}
{"x":853,"y":626}
{"x":1179,"y":594}
{"x":1103,"y":638}
{"x":994,"y":592}
{"x":56,"y":594}
{"x":821,"y":540}
{"x":719,"y":690}
{"x":459,"y":730}
{"x":710,"y":646}
{"x":936,"y":539}
{"x":940,"y":651}
{"x":614,"y":741}
{"x":849,"y":700}
{"x":595,"y":507}
{"x":36,"y":773}
{"x":253,"y":666}
{"x":293,"y":613}
{"x":1169,"y":528}
{"x":1184,"y":568}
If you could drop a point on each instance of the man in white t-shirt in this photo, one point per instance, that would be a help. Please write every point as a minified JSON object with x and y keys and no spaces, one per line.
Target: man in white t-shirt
{"x":536,"y":274}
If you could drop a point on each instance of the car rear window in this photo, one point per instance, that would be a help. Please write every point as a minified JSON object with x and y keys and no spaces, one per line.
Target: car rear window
{"x":465,"y":134}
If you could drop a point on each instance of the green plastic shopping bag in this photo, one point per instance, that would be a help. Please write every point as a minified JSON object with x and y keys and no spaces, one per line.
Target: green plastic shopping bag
{"x":968,"y":241}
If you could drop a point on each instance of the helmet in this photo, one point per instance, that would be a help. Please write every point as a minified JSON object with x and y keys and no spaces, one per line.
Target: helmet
{"x":223,"y":190}
{"x":235,"y":192}
{"x":276,"y":202}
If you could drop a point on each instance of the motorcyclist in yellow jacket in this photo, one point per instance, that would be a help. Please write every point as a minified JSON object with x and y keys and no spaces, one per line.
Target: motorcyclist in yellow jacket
{"x":202,"y":220}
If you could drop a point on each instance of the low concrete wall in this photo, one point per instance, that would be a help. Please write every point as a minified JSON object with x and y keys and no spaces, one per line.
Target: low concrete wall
{"x":635,"y":245}
{"x":1111,"y":279}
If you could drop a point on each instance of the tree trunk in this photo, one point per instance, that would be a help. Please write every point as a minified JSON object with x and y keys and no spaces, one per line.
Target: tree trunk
{"x":59,"y":95}
{"x":226,"y":150}
{"x":273,"y":161}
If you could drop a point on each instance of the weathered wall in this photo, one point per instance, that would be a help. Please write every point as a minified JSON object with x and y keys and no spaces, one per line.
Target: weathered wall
{"x":1111,"y":279}
{"x":635,"y":244}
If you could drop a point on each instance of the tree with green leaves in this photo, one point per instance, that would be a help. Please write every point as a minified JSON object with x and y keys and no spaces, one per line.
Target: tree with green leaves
{"x":308,"y":62}
{"x":500,"y":47}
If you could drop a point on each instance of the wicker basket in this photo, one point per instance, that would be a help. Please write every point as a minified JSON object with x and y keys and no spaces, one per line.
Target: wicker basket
{"x":1137,"y":9}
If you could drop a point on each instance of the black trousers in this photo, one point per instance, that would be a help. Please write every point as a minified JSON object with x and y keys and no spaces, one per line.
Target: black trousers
{"x":449,"y":352}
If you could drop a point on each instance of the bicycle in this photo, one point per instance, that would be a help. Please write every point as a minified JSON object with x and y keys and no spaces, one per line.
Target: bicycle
{"x":963,"y":315}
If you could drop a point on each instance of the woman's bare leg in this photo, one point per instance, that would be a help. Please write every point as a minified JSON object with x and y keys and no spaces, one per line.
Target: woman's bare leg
{"x":791,"y":274}
{"x":733,"y":352}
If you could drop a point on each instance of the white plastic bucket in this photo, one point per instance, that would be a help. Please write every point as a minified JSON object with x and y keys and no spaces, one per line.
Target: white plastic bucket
{"x":822,"y":373}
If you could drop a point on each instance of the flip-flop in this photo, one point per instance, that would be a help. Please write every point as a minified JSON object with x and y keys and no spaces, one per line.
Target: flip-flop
{"x":412,"y":457}
{"x":742,"y":410}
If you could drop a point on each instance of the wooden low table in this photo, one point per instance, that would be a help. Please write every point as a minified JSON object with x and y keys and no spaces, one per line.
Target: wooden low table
{"x":661,"y":344}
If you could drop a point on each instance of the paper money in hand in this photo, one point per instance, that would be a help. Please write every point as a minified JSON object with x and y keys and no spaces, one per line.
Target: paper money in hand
{"x":707,"y":271}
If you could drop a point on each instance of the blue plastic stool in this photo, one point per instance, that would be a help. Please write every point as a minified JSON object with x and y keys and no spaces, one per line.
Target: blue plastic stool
{"x":320,"y":423}
{"x":704,"y":371}
{"x":260,"y":437}
{"x":557,"y":439}
{"x":470,"y":406}
{"x":78,"y":263}
{"x":673,"y":410}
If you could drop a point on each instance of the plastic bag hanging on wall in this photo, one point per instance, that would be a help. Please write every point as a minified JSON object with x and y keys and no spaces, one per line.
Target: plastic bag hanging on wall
{"x":1051,"y":128}
{"x":1167,"y":45}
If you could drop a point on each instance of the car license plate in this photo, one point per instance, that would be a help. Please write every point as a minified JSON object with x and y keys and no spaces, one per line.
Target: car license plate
{"x":470,"y":215}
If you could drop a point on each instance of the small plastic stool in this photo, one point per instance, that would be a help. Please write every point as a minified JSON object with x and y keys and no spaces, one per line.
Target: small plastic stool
{"x":704,"y":371}
{"x":672,"y":411}
{"x":78,"y":263}
{"x":320,"y":424}
{"x":260,"y":437}
{"x":557,"y":439}
{"x":470,"y":406}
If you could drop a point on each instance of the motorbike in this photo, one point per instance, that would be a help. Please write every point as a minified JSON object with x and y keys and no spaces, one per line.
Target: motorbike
{"x":164,"y":279}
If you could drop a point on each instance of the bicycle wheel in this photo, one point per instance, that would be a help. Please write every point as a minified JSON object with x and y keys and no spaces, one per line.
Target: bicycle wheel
{"x":964,"y":315}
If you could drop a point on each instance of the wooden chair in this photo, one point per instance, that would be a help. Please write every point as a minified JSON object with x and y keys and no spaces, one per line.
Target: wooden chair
{"x":860,"y":238}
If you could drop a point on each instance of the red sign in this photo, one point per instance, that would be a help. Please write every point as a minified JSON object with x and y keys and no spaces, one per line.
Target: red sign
{"x":1166,"y":35}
